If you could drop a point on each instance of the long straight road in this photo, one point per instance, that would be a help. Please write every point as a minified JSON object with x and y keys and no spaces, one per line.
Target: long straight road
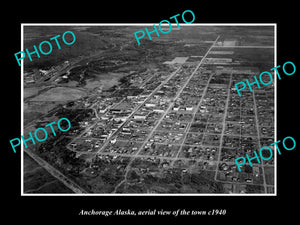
{"x":97,"y":116}
{"x":224,"y":126}
{"x":55,"y":173}
{"x":258,"y":135}
{"x":136,"y":109}
{"x":193,"y":117}
{"x":164,"y":114}
{"x":176,"y":97}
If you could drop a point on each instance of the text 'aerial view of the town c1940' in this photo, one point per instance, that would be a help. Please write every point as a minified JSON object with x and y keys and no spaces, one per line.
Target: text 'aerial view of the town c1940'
{"x":162,"y":117}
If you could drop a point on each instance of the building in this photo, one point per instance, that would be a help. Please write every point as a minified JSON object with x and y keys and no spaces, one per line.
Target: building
{"x":139,"y":117}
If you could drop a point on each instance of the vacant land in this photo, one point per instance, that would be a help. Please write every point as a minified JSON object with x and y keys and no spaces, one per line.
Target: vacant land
{"x":38,"y":180}
{"x":59,"y":94}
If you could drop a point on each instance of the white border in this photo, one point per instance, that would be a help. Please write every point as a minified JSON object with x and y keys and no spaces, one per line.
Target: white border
{"x":22,"y":112}
{"x":275,"y":108}
{"x":147,"y":24}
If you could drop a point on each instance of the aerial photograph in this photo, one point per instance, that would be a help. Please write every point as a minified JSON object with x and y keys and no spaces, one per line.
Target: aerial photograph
{"x":159,"y":117}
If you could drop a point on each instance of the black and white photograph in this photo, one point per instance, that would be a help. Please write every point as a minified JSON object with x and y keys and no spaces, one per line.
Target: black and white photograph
{"x":141,"y":113}
{"x":161,"y":116}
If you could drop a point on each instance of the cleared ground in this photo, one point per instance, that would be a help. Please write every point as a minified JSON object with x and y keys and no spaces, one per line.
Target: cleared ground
{"x":59,"y":94}
{"x":38,"y":180}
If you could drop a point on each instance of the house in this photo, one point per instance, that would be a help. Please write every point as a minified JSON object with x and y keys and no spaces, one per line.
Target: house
{"x":150,"y":105}
{"x":139,"y":117}
{"x":158,"y":110}
{"x":115,"y":111}
{"x":103,"y":110}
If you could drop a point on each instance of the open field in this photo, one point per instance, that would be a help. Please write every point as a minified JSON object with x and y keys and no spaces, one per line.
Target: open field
{"x":38,"y":180}
{"x":59,"y":94}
